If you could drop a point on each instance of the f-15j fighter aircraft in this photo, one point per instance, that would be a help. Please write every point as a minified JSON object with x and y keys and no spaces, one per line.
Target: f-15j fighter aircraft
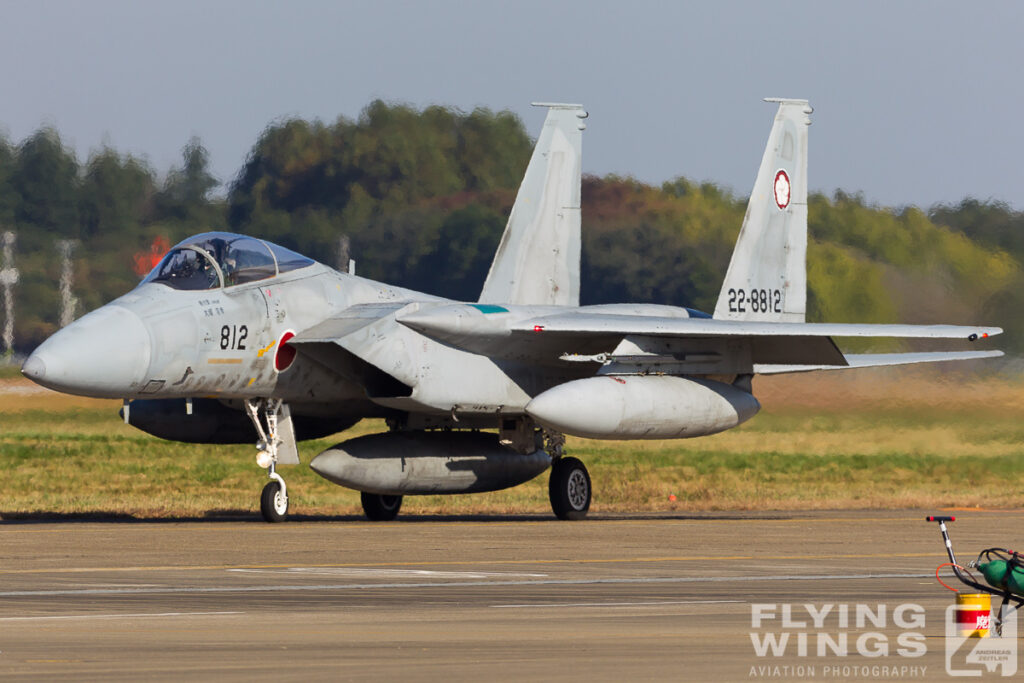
{"x":232,"y":339}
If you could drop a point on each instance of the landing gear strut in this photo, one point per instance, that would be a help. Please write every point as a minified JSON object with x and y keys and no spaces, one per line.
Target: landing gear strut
{"x":569,"y":486}
{"x":274,"y":499}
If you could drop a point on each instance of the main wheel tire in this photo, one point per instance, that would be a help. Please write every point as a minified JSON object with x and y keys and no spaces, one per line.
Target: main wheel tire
{"x":273,"y":503}
{"x":380,"y":508}
{"x":569,"y":489}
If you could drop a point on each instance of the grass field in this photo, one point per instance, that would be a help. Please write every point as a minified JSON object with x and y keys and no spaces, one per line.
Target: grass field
{"x":866,"y":439}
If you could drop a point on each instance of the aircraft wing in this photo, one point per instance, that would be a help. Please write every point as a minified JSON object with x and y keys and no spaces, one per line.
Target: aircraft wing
{"x":594,"y":323}
{"x":705,"y":345}
{"x":670,"y":344}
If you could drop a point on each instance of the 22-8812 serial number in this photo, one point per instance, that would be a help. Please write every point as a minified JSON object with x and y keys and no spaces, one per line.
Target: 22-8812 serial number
{"x":756,"y":300}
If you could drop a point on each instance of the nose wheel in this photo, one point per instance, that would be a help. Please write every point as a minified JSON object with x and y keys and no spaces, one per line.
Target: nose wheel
{"x":274,"y":501}
{"x":276,"y":444}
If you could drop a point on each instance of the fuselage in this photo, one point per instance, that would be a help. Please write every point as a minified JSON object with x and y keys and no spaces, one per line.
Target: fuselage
{"x":230,"y":317}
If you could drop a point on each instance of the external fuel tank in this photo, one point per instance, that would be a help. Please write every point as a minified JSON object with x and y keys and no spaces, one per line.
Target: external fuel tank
{"x":642,"y":407}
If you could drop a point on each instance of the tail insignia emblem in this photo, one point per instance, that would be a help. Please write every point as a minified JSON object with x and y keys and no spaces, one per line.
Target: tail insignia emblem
{"x":781,"y":189}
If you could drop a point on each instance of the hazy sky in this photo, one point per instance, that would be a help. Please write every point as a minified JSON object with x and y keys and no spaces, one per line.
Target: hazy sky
{"x":916,"y":102}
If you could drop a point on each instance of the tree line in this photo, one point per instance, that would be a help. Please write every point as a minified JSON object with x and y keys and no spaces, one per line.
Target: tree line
{"x":423,"y":196}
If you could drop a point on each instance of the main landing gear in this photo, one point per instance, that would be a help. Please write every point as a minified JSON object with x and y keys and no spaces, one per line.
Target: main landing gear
{"x":276,"y":445}
{"x":569,"y":485}
{"x":380,"y":508}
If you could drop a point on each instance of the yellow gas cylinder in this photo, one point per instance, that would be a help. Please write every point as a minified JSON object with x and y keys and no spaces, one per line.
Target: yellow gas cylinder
{"x":973,"y":614}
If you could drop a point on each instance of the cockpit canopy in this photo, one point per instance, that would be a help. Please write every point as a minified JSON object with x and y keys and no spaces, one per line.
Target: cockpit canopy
{"x":222,"y":259}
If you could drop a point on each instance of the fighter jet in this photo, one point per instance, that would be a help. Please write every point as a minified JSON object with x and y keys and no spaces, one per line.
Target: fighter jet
{"x":232,"y":339}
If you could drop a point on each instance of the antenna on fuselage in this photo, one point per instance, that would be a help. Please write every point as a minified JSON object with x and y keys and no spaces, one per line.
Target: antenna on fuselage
{"x":346,"y":263}
{"x":8,"y":278}
{"x":344,"y":243}
{"x":68,"y":300}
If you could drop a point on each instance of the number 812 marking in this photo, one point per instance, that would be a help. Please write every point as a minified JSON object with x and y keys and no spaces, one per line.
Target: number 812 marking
{"x":756,"y":300}
{"x":233,"y":337}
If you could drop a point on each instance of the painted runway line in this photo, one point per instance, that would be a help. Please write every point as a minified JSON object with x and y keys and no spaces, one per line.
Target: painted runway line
{"x":476,"y":563}
{"x":385,"y":573}
{"x":451,"y":584}
{"x":659,"y":603}
{"x":119,"y":616}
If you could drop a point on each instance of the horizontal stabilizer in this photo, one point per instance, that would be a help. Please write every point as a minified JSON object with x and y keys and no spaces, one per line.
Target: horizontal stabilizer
{"x":877,"y":360}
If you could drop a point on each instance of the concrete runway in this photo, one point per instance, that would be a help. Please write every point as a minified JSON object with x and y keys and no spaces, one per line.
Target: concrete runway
{"x":636,"y":597}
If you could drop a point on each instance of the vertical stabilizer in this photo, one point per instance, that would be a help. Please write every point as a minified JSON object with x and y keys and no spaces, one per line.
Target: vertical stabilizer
{"x":767,"y":277}
{"x":538,"y":259}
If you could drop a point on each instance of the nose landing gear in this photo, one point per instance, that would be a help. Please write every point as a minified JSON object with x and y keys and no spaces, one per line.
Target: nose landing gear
{"x":276,"y":445}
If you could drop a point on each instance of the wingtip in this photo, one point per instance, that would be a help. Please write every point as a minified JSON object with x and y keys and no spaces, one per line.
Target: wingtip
{"x":984,"y":333}
{"x":807,"y":108}
{"x":556,"y":105}
{"x":786,"y":100}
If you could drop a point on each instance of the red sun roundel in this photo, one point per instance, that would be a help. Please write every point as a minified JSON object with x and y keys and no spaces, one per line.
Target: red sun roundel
{"x":782,"y":189}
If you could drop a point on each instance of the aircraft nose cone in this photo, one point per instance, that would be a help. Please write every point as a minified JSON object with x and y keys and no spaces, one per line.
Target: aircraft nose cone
{"x":103,"y":354}
{"x":34,"y":368}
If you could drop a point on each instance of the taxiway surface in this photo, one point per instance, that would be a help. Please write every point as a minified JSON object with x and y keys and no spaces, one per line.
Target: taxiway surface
{"x":623,"y":598}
